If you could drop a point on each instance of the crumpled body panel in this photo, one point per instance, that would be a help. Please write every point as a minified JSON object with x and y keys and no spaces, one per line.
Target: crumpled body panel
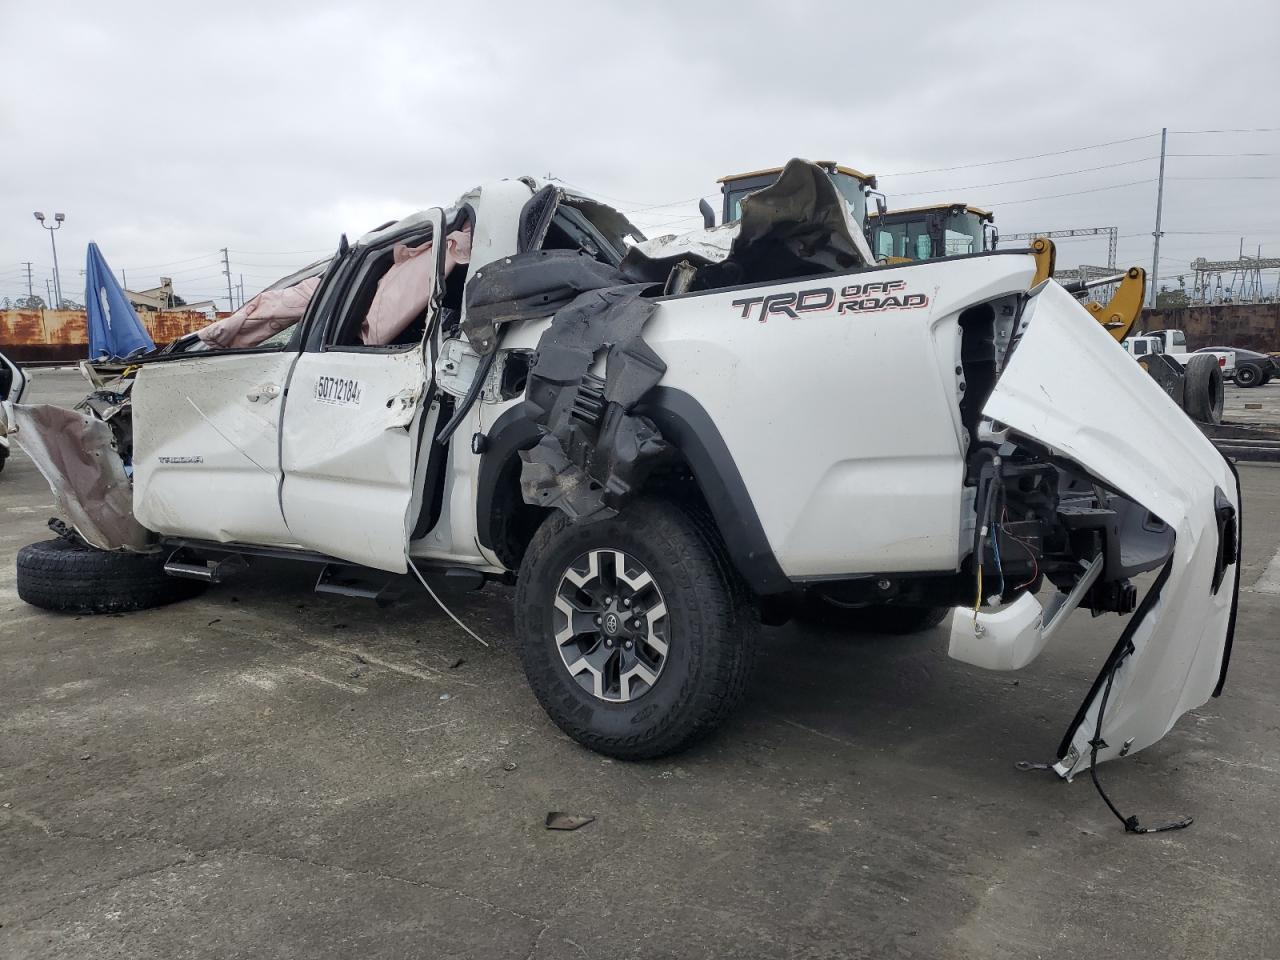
{"x":1070,"y":386}
{"x":75,"y":455}
{"x":595,"y":451}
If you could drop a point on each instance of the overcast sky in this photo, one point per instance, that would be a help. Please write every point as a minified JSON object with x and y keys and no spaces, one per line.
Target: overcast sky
{"x":166,"y":131}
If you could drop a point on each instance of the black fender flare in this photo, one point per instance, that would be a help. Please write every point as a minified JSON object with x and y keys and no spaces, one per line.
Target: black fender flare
{"x":689,"y":429}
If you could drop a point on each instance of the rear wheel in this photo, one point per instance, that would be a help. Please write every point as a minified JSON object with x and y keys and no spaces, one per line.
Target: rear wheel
{"x":1248,"y":376}
{"x":1202,"y":394}
{"x":634,"y":631}
{"x":71,"y":577}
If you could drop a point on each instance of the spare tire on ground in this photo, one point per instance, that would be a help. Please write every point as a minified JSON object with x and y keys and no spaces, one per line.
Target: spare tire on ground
{"x":71,"y":577}
{"x":1202,"y":393}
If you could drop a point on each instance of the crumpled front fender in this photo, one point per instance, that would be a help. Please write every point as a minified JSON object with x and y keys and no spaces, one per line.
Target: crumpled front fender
{"x":76,"y":456}
{"x":1071,"y":387}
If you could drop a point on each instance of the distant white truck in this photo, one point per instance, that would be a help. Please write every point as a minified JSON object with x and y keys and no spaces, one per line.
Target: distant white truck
{"x":1173,"y":343}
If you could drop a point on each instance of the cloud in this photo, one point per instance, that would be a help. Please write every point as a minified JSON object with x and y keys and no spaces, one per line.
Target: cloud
{"x":168,"y":131}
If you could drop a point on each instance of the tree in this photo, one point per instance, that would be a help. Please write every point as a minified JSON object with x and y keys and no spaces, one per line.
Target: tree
{"x":1171,"y":298}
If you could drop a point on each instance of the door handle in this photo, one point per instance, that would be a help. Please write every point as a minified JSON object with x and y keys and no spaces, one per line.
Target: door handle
{"x":266,"y":391}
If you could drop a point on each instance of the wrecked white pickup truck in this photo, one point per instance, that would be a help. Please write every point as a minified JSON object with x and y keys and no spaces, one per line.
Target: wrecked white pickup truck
{"x":661,"y":451}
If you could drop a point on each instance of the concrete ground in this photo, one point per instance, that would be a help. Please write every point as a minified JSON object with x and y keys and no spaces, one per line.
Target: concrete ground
{"x":265,"y":772}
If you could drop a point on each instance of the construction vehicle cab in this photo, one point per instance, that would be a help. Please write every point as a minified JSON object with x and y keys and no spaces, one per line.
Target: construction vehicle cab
{"x":927,"y":233}
{"x":853,"y":185}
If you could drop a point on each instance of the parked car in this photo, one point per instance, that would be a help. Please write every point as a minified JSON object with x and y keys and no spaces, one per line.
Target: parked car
{"x":1252,"y":369}
{"x":662,"y":452}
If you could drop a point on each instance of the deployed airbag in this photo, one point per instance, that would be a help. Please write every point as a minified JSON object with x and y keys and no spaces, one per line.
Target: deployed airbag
{"x":405,"y":290}
{"x":265,"y":315}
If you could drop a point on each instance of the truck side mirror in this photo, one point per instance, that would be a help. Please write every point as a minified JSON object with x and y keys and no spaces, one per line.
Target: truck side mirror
{"x":881,"y":206}
{"x":708,"y":214}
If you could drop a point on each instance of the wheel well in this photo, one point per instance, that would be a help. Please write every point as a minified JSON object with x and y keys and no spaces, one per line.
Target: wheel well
{"x":700,"y":473}
{"x":512,"y":522}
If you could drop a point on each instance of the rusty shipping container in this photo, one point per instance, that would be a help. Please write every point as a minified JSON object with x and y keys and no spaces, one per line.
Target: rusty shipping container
{"x":33,"y":336}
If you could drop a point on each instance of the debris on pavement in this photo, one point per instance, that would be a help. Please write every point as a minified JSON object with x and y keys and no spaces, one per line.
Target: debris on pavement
{"x":567,"y":821}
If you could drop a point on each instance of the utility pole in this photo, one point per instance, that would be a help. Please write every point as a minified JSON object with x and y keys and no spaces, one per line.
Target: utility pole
{"x":30,"y":292}
{"x":48,"y":290}
{"x":226,"y":270}
{"x":241,"y":290}
{"x":1155,"y":256}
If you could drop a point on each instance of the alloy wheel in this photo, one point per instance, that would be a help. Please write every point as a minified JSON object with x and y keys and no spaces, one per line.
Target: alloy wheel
{"x":611,"y":625}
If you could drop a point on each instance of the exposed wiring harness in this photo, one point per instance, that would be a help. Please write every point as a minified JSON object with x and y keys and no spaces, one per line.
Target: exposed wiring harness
{"x":980,"y":538}
{"x":1131,"y":824}
{"x":1031,"y":554}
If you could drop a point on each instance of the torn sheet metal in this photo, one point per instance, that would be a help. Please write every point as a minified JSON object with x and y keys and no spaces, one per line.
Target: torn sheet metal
{"x":711,"y":245}
{"x":594,"y":451}
{"x":1070,"y":386}
{"x":75,"y":454}
{"x":798,"y":226}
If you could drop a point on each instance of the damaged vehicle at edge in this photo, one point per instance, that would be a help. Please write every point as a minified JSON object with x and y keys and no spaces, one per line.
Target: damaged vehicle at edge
{"x":664,"y":449}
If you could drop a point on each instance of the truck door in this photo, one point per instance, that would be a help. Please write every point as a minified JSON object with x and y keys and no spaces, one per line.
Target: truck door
{"x":356,"y":412}
{"x":206,"y":444}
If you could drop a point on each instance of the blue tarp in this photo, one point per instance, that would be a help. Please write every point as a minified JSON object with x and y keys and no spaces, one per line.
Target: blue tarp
{"x":115,"y":332}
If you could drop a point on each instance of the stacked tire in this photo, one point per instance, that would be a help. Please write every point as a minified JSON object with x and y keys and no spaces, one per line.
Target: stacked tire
{"x":1202,"y":389}
{"x":67,"y":576}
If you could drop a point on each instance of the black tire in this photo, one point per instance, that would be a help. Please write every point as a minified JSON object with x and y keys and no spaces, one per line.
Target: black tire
{"x":710,"y":631}
{"x":876,"y":618}
{"x":70,"y":577}
{"x":1202,"y":389}
{"x":1266,"y":378}
{"x":1248,"y":375}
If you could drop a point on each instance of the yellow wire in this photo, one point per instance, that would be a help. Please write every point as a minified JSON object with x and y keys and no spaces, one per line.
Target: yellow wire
{"x":977,"y":604}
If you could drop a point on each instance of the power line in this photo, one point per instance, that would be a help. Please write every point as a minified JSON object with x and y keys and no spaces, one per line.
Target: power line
{"x":1233,"y":130}
{"x":1034,"y":156}
{"x":281,"y":253}
{"x":1225,"y":178}
{"x":1047,"y":176}
{"x":153,"y":266}
{"x":1075,"y":193}
{"x":1224,"y":154}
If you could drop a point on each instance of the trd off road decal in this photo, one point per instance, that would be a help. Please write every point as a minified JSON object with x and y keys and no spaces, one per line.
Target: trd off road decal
{"x":871,"y":297}
{"x":338,"y":390}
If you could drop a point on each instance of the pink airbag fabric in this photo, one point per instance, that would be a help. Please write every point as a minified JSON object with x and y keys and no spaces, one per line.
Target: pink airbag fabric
{"x":405,"y":290}
{"x":268,"y":313}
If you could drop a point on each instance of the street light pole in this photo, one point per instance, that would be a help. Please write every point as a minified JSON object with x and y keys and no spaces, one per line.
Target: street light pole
{"x":58,"y":218}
